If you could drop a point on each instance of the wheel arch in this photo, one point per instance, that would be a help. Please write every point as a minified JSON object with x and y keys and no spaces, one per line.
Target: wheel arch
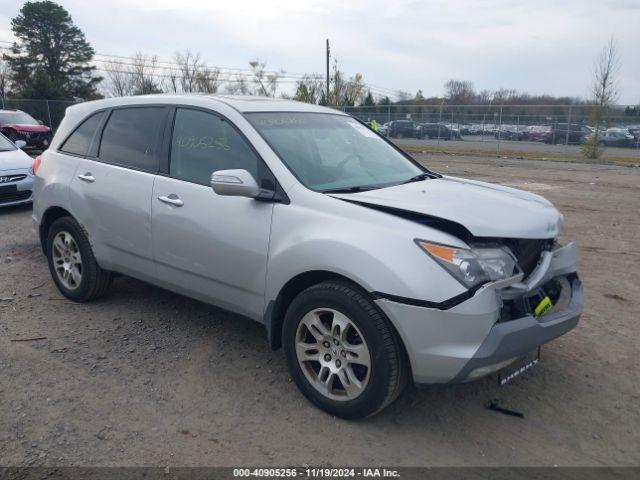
{"x":276,"y":309}
{"x":50,"y":216}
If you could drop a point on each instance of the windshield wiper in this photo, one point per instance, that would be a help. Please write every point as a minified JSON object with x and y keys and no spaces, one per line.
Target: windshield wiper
{"x":419,"y":178}
{"x":349,"y":189}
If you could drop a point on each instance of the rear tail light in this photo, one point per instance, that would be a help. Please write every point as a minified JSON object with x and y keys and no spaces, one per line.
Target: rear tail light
{"x":36,"y":165}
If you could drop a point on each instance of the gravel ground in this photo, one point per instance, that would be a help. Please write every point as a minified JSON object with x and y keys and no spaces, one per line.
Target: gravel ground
{"x":147,"y":377}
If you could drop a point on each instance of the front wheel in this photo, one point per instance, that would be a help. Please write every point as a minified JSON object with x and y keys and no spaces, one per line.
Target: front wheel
{"x":342,"y":351}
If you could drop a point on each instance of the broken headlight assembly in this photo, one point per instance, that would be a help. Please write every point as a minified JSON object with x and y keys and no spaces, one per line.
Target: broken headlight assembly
{"x":472,"y":266}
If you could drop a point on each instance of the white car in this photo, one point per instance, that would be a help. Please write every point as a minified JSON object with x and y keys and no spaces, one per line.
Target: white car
{"x":16,"y":174}
{"x":367,"y":268}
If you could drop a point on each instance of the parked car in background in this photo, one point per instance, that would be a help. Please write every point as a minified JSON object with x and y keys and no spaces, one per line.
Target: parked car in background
{"x":478,"y":129}
{"x":438,"y":130}
{"x":16,"y":173}
{"x":538,"y":133}
{"x":617,"y":137}
{"x":572,"y":133}
{"x":512,"y":132}
{"x":465,"y":129}
{"x":403,"y":129}
{"x":367,"y":268}
{"x":384,"y":129}
{"x":18,"y":125}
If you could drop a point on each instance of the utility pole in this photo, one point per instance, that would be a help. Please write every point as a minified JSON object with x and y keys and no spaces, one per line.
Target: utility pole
{"x":327,"y":94}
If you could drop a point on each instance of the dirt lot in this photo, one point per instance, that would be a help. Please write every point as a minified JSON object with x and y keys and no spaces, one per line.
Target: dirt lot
{"x":146,"y":377}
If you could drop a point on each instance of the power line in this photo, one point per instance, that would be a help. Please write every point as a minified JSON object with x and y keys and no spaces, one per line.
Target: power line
{"x":241,"y":74}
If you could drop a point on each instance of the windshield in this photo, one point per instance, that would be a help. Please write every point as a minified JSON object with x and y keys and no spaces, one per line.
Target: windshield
{"x":333,"y":152}
{"x":19,"y":118}
{"x":5,"y":144}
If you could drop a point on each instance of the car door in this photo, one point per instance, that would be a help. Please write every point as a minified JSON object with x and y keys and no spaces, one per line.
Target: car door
{"x":111,"y":191}
{"x":209,"y":246}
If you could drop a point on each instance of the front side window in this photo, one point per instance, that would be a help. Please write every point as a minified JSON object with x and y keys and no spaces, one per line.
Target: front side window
{"x":80,"y":140}
{"x":130,"y":138}
{"x":203,"y":143}
{"x":328,"y":151}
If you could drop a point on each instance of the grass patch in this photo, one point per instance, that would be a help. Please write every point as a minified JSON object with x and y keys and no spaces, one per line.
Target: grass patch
{"x":575,"y":157}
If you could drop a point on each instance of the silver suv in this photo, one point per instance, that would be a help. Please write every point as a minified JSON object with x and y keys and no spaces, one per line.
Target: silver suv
{"x":367,"y":268}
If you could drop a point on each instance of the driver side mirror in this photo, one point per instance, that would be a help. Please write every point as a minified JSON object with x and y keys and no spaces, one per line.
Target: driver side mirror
{"x":20,"y":144}
{"x":234,"y":183}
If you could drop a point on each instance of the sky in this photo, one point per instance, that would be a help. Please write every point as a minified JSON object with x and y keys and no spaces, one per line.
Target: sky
{"x":541,"y":46}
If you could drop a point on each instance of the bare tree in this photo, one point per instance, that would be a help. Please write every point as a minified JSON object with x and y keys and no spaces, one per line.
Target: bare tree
{"x":459,"y":92}
{"x":485,"y":97}
{"x":238,"y":86}
{"x":604,"y":89}
{"x":505,"y":95}
{"x":119,"y":79}
{"x":403,"y":96}
{"x":144,"y":72}
{"x":310,"y":89}
{"x":190,"y":66}
{"x":354,"y":90}
{"x":208,"y":80}
{"x":346,"y":91}
{"x":266,"y":83}
{"x":4,"y":78}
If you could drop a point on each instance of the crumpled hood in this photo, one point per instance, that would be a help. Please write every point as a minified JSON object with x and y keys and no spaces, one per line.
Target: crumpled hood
{"x":14,"y":160}
{"x":485,"y":209}
{"x":23,"y":127}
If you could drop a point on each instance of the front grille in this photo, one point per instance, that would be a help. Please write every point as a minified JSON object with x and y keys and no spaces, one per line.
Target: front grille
{"x":34,"y":138}
{"x":11,"y":178}
{"x":14,"y":196}
{"x":528,"y":252}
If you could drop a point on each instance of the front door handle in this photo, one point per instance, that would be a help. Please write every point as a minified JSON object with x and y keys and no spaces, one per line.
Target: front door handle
{"x":172,"y":199}
{"x":87,"y":177}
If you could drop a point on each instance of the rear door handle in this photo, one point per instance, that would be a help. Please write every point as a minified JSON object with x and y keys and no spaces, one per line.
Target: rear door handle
{"x":87,"y":177}
{"x":172,"y":199}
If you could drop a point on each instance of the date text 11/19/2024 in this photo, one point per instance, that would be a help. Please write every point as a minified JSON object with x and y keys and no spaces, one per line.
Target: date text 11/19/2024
{"x":311,"y":472}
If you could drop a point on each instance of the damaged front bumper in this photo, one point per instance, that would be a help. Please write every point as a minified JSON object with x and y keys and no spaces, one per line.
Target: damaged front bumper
{"x":476,"y":337}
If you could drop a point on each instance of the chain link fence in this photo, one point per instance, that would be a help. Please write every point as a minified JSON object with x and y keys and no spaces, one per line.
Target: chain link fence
{"x":490,"y":125}
{"x":494,"y":125}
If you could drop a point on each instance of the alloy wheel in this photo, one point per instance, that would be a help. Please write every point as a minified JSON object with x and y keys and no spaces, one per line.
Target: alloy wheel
{"x":67,"y":260}
{"x":333,"y":354}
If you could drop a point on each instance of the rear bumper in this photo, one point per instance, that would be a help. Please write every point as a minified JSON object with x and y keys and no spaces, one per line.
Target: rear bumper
{"x":468,"y":340}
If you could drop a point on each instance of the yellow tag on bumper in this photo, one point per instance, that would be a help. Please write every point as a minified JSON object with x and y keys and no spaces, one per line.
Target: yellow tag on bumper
{"x":543,"y":307}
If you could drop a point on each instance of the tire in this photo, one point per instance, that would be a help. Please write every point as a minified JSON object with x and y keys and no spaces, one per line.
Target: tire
{"x":374,"y":387}
{"x":75,"y":249}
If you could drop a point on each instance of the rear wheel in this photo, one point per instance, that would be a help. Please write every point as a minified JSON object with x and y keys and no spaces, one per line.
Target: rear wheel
{"x":72,"y":264}
{"x":342,"y":351}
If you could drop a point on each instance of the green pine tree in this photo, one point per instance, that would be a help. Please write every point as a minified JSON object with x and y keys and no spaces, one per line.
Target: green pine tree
{"x":51,"y":58}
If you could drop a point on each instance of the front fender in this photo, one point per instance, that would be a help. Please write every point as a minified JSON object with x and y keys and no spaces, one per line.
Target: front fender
{"x":376,"y":250}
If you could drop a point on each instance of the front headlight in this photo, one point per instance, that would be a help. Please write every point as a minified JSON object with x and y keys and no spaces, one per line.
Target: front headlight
{"x":472,"y":266}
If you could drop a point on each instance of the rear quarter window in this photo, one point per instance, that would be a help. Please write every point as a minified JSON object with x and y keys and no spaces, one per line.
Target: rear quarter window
{"x":80,"y":140}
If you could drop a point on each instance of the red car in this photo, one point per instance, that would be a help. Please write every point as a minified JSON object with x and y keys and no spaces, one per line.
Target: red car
{"x":18,"y":125}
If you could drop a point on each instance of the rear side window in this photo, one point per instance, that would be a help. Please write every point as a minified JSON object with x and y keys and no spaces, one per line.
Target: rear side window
{"x":203,"y":143}
{"x":130,"y":138}
{"x":80,"y":140}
